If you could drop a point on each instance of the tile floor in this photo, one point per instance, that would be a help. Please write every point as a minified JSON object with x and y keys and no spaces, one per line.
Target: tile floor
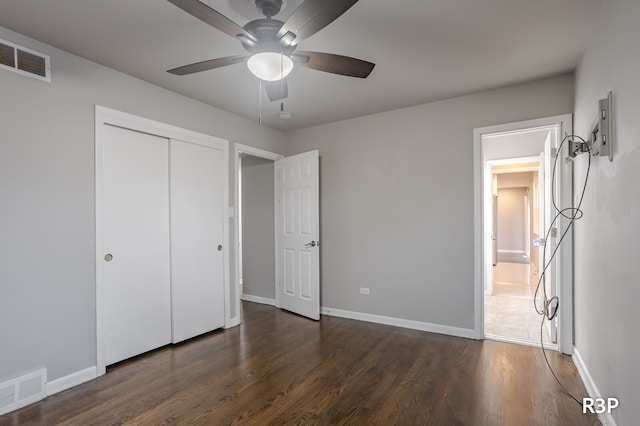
{"x":509,"y":312}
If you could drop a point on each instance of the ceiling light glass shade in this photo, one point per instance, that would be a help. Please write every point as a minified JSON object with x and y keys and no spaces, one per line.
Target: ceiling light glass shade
{"x":270,"y":66}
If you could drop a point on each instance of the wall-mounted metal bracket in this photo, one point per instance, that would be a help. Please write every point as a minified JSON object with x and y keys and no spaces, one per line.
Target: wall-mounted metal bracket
{"x":601,"y":142}
{"x":577,"y":147}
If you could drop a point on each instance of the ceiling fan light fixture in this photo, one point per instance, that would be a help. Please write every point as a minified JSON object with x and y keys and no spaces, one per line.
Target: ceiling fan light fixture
{"x":270,"y":66}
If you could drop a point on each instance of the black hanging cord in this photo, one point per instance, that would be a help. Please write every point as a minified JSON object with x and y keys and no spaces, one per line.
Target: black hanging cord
{"x":550,"y":307}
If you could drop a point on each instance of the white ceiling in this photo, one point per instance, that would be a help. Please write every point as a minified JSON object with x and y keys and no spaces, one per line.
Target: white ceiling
{"x":424,"y":50}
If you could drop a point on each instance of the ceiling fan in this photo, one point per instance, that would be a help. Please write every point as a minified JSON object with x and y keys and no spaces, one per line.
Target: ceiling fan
{"x":272,"y":44}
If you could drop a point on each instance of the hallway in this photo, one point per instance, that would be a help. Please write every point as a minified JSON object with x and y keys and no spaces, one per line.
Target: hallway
{"x":509,"y":312}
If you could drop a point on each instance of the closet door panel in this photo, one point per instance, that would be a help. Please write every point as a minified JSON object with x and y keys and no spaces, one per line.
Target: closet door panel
{"x":135,"y":228}
{"x":197,"y":274}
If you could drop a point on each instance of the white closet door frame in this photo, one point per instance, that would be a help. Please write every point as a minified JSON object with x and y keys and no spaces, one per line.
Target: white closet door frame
{"x":106,"y":116}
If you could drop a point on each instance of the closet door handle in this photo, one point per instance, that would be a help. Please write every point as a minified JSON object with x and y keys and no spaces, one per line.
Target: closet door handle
{"x":108,"y":257}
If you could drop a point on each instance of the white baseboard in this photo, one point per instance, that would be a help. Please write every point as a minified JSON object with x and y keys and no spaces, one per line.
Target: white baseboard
{"x":232,"y":323}
{"x":46,"y":388}
{"x":590,"y":385}
{"x":399,"y":322}
{"x":258,"y":299}
{"x":71,"y":380}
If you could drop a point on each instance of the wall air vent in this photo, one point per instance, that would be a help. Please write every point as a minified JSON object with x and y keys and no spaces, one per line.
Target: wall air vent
{"x":23,"y":390}
{"x":24,"y":61}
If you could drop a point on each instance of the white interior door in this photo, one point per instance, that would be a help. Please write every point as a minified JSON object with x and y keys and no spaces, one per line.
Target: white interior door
{"x":541,"y":213}
{"x":135,"y":229}
{"x":197,"y":220}
{"x":490,"y":227}
{"x":548,"y":213}
{"x":298,"y":253}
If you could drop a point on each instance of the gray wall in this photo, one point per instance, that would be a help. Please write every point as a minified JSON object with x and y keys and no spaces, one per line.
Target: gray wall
{"x":607,"y":239}
{"x":258,"y":229}
{"x":396,"y":195}
{"x":47,"y":219}
{"x":512,"y":229}
{"x":512,"y":219}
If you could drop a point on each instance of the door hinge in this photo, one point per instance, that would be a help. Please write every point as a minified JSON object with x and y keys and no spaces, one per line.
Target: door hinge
{"x":554,"y":152}
{"x":554,"y":232}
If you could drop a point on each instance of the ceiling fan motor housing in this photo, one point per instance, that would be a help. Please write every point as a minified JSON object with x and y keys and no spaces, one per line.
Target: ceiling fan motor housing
{"x":269,"y":8}
{"x":269,"y":35}
{"x":266,"y":32}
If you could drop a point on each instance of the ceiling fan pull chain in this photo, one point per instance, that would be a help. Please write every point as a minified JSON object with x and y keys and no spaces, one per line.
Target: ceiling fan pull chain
{"x":281,"y":77}
{"x":260,"y":102}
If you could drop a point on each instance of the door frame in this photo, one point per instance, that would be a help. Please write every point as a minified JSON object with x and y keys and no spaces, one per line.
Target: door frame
{"x":238,"y":151}
{"x":565,"y":253}
{"x":106,"y":116}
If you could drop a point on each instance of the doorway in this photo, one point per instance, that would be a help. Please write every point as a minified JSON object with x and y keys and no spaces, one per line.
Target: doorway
{"x":296,"y":182}
{"x":509,"y":269}
{"x":255,"y":225}
{"x":516,"y":209}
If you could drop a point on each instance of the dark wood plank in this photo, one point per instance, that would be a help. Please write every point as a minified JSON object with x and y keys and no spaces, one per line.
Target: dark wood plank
{"x":278,"y":368}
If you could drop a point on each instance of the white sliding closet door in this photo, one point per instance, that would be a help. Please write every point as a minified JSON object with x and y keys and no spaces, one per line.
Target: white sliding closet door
{"x":197,"y":218}
{"x":135,"y":243}
{"x":161,"y":235}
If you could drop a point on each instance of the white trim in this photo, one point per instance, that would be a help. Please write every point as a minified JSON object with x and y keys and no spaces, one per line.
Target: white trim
{"x":399,"y":322}
{"x":565,"y":288}
{"x":590,"y":385}
{"x":71,"y":380}
{"x":478,"y":282}
{"x":550,"y":346}
{"x":257,"y":152}
{"x":238,"y":151}
{"x":512,"y":251}
{"x":564,"y":123}
{"x":233,"y":322}
{"x":106,"y":116}
{"x":515,"y":162}
{"x":258,"y":299}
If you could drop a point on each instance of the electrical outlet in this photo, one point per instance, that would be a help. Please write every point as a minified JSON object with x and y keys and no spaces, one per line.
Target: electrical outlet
{"x":365,"y":291}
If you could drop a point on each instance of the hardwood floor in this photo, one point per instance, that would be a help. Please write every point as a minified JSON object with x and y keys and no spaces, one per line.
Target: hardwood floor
{"x":278,"y":368}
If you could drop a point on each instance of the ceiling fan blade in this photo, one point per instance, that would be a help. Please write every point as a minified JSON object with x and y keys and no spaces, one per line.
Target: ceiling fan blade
{"x":213,"y":18}
{"x":312,"y":16}
{"x":277,"y":90}
{"x":208,"y":65}
{"x":335,"y":64}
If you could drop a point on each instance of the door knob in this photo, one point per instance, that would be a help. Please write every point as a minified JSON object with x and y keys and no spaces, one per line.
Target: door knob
{"x":311,"y":244}
{"x":108,"y":257}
